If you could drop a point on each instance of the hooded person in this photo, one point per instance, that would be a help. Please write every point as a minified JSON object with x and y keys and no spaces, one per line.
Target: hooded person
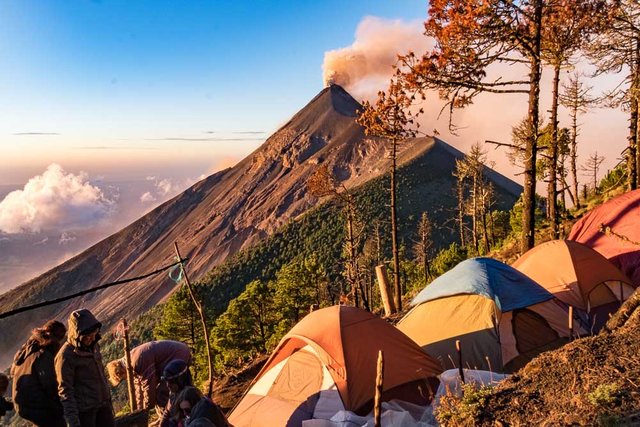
{"x":148,"y":361}
{"x":82,"y":384}
{"x":35,"y":388}
{"x":177,"y":377}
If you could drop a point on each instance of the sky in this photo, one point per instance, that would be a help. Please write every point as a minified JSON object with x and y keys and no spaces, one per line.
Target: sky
{"x":127,"y":89}
{"x":110,"y":107}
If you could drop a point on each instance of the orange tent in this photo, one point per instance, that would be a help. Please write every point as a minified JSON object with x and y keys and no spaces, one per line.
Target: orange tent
{"x":622,"y":215}
{"x":578,"y":276}
{"x":327,"y":363}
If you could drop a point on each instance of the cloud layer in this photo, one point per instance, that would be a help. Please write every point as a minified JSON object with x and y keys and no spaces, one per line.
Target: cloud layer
{"x":55,"y":200}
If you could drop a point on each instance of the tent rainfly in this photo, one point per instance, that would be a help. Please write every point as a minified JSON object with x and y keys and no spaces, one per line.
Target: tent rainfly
{"x":327,"y":363}
{"x":578,"y":276}
{"x":501,"y":317}
{"x":621,"y":243}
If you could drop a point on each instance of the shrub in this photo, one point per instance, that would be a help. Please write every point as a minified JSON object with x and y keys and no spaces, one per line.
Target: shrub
{"x":463,"y":410}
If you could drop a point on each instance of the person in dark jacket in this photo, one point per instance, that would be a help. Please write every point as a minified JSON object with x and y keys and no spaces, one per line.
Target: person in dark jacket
{"x":35,"y":388}
{"x":82,"y":384}
{"x":177,"y":376}
{"x":148,"y":361}
{"x":205,"y":409}
{"x":5,"y":405}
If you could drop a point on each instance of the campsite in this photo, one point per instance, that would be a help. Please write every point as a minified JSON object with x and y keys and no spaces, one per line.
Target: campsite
{"x":397,"y":213}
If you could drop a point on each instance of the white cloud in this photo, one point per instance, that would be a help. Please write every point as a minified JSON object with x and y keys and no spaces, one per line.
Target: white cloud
{"x":54,"y":200}
{"x":165,"y":187}
{"x":66,"y":237}
{"x":147,"y":197}
{"x":41,"y":242}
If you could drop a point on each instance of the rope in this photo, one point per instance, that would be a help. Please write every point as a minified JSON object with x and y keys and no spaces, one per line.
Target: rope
{"x":608,"y":231}
{"x":86,"y":291}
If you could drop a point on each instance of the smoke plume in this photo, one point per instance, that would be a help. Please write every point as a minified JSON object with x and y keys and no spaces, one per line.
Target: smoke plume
{"x":366,"y":66}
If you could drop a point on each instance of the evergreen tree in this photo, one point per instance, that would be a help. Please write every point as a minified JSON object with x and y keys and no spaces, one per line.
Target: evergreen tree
{"x":245,"y":328}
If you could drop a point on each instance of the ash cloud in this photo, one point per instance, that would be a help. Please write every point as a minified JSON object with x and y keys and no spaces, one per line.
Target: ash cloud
{"x":57,"y":199}
{"x":365,"y":66}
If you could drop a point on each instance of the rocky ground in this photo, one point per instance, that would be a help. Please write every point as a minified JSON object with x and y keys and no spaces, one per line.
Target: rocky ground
{"x":591,"y":381}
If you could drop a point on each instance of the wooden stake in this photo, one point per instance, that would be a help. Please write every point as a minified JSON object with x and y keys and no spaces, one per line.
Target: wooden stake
{"x":383,"y":283}
{"x":570,"y":323}
{"x":133,"y":404}
{"x":198,"y":306}
{"x":377,"y":408}
{"x":460,"y":369}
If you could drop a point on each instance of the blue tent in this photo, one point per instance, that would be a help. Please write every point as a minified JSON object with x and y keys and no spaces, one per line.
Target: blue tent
{"x":500,"y":317}
{"x":509,"y":288}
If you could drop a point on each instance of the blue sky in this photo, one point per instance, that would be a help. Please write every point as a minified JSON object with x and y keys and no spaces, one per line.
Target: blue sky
{"x":115,"y":75}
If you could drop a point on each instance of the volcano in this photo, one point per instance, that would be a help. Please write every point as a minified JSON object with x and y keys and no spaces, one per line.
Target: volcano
{"x":220,"y":215}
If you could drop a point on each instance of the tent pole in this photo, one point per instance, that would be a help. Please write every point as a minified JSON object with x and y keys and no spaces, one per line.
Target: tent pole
{"x":460,"y":369}
{"x":203,"y":320}
{"x":377,"y":409}
{"x":127,"y":358}
{"x":570,"y":323}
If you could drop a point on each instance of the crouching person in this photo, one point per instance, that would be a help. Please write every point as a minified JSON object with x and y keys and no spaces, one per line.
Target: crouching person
{"x":177,"y":377}
{"x":82,"y":384}
{"x":148,"y":361}
{"x":35,"y":388}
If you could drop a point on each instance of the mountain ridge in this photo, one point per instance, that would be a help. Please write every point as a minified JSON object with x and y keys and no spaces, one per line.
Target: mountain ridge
{"x":215,"y":218}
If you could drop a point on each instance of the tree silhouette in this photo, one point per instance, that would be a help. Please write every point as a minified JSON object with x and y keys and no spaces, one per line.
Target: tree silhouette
{"x":390,"y":118}
{"x":576,"y":98}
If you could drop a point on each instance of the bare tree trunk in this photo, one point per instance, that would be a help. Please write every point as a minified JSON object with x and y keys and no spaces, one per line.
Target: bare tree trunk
{"x":474,"y":214}
{"x":460,"y":190}
{"x":394,"y":229}
{"x":632,"y":152}
{"x":485,"y":232}
{"x":561,"y":172}
{"x":635,"y":95}
{"x":553,"y":156}
{"x":573,"y":156}
{"x":529,"y":196}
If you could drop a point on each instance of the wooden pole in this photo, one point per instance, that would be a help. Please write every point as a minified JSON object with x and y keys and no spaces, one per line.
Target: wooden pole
{"x":570,"y":323}
{"x":460,"y":369}
{"x":377,"y":408}
{"x":133,"y":404}
{"x":198,"y":306}
{"x":383,"y":283}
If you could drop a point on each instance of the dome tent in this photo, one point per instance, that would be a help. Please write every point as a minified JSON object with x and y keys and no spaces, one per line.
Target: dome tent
{"x":501,"y":317}
{"x":327,"y":363}
{"x":578,"y":276}
{"x":622,"y":215}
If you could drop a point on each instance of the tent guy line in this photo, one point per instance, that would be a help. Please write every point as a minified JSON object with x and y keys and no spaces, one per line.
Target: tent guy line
{"x":87,"y":291}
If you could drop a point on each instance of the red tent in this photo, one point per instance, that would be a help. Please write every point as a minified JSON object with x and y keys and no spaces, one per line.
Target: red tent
{"x":621,"y":244}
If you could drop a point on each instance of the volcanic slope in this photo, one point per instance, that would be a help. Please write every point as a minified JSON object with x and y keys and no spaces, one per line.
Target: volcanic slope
{"x":222,"y":214}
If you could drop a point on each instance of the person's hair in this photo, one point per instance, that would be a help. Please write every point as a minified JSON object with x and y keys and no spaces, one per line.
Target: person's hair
{"x":189,"y":394}
{"x":117,"y":371}
{"x":4,"y":384}
{"x":56,"y":329}
{"x":51,"y":332}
